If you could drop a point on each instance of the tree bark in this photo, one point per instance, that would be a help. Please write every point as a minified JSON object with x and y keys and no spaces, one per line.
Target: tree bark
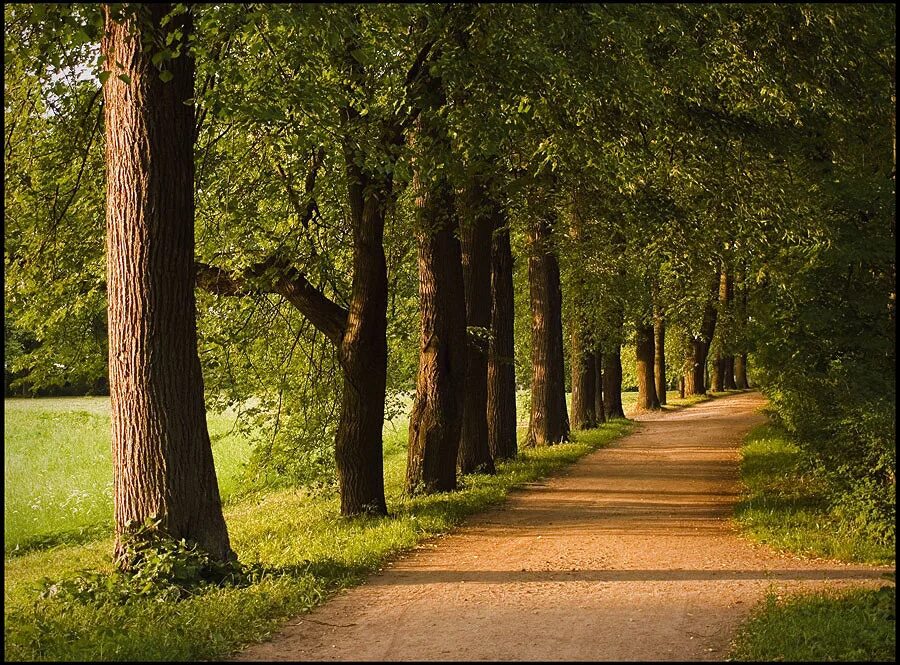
{"x":645,"y":356}
{"x":482,"y":216}
{"x":698,"y":347}
{"x":584,"y":381}
{"x":717,"y":371}
{"x":612,"y":384}
{"x":599,"y":410}
{"x":549,"y":421}
{"x":740,"y":372}
{"x":362,"y":352}
{"x":501,"y":404}
{"x":728,"y":382}
{"x":659,"y":357}
{"x":436,"y":419}
{"x":162,"y":459}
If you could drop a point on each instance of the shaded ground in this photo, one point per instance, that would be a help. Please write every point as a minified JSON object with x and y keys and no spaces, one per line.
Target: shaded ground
{"x":629,"y":555}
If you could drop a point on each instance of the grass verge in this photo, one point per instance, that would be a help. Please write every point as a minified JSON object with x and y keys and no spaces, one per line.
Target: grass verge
{"x":307,"y":550}
{"x":787,"y":507}
{"x":857,"y":625}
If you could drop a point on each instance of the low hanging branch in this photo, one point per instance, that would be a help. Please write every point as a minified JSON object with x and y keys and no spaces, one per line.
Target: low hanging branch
{"x":277,"y":276}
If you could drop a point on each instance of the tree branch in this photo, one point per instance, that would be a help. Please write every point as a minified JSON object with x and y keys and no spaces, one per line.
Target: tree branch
{"x":325,"y":314}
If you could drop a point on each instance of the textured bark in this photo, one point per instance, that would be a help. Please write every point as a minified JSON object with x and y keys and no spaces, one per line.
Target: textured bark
{"x":549,"y":422}
{"x":599,"y":411}
{"x":645,"y":356}
{"x":501,"y":406}
{"x":659,"y":356}
{"x":481,"y":217}
{"x":363,"y":351}
{"x":435,"y":421}
{"x":584,"y":380}
{"x":612,"y":384}
{"x":162,"y":459}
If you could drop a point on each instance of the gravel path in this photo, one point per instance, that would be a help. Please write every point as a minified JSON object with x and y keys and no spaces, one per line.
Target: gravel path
{"x":629,"y":554}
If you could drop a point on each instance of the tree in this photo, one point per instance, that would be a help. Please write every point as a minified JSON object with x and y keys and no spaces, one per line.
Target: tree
{"x":161,"y":448}
{"x":501,"y":400}
{"x":549,"y":421}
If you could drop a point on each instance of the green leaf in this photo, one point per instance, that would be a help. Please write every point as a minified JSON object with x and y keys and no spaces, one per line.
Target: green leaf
{"x":125,"y":78}
{"x":165,"y":76}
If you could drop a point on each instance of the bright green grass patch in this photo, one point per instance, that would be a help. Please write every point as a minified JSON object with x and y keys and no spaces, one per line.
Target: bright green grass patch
{"x":856,"y":625}
{"x":787,"y":507}
{"x":307,"y":548}
{"x":58,"y":469}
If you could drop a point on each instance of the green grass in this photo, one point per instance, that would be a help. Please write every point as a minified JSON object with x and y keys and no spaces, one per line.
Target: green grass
{"x":307,"y":548}
{"x":787,"y":508}
{"x":58,"y":469}
{"x":857,"y":625}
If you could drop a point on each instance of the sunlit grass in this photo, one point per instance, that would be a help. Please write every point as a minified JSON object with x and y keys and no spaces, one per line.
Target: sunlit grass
{"x":848,"y":626}
{"x":787,"y":507}
{"x":58,"y":469}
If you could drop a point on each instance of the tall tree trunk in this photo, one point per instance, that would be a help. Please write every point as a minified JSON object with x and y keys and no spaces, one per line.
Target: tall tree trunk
{"x":436,"y":419}
{"x":612,"y":384}
{"x":501,"y":358}
{"x":717,"y":371}
{"x":740,"y":372}
{"x":645,"y":356}
{"x":362,"y":351}
{"x":584,"y":381}
{"x":162,"y":459}
{"x":599,"y":411}
{"x":549,"y":422}
{"x":481,"y":218}
{"x":659,"y":357}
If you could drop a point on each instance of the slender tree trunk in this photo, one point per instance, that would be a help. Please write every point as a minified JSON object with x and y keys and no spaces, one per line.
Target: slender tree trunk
{"x":599,"y":410}
{"x":612,"y":384}
{"x":162,"y":459}
{"x":481,"y":218}
{"x":645,"y":356}
{"x":584,"y":381}
{"x":501,"y":358}
{"x":659,"y":357}
{"x":549,"y":422}
{"x":436,"y":419}
{"x":681,"y":386}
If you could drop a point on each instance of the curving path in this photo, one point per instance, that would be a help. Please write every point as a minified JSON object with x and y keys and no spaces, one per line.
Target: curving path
{"x":630,"y":554}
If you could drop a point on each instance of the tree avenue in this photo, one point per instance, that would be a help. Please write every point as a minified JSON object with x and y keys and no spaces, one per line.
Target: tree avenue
{"x":327,"y":216}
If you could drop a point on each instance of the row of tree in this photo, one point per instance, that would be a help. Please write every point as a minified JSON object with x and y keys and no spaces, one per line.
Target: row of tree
{"x":339,"y":181}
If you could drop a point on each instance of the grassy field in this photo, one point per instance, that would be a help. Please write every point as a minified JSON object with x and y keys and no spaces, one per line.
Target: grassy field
{"x":58,"y":469}
{"x":787,"y":509}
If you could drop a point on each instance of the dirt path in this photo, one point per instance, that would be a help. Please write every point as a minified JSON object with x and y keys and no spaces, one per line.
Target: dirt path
{"x":630,"y":555}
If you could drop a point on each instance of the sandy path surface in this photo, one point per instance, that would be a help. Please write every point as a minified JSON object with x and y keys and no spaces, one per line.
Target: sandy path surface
{"x":629,"y":554}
